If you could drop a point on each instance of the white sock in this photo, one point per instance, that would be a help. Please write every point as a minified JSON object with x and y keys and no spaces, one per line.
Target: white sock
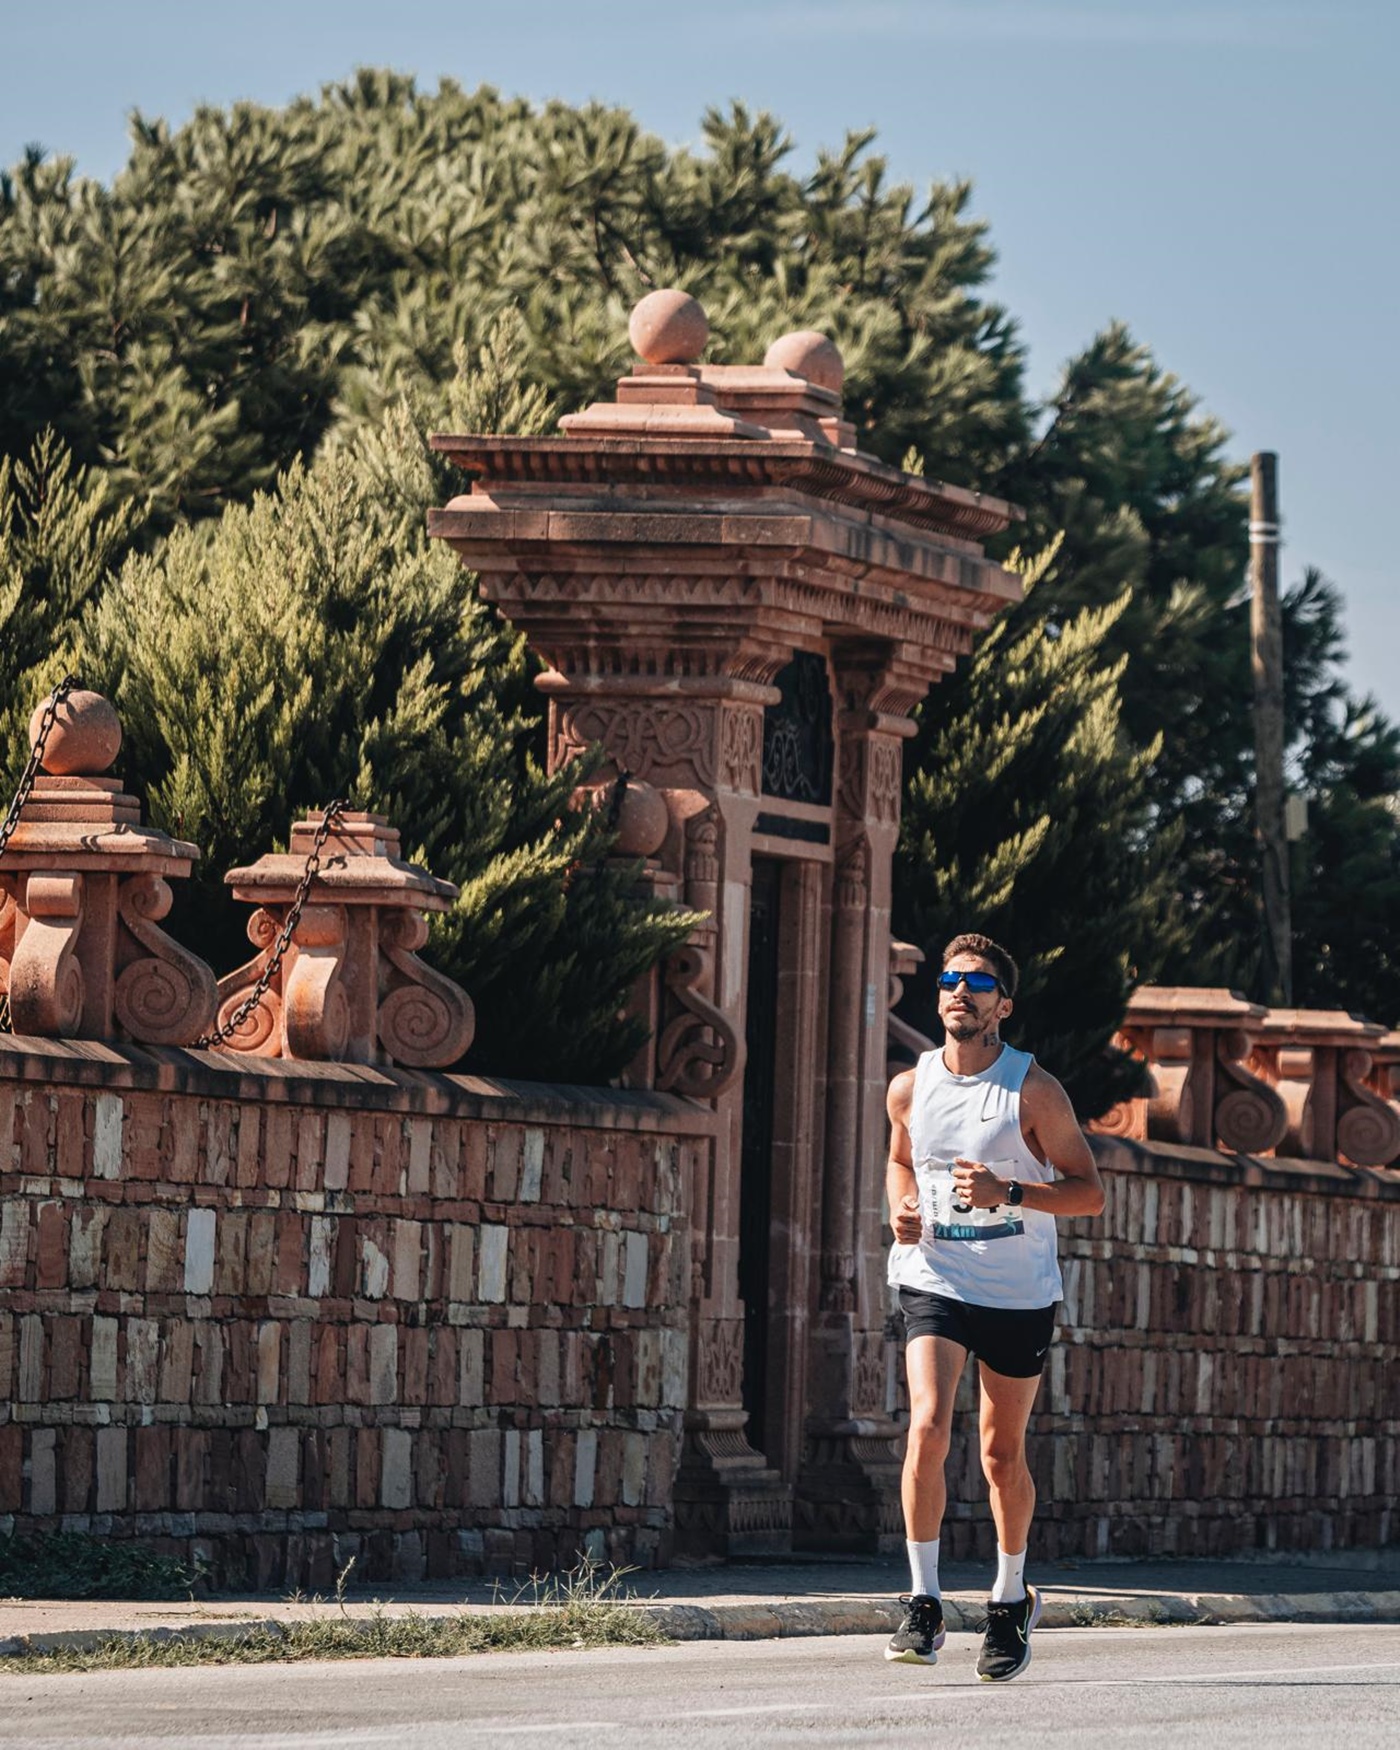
{"x":923,"y":1569}
{"x":1009,"y":1587}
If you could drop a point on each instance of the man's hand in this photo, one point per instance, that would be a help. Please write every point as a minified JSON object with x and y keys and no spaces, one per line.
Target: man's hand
{"x":977,"y":1186}
{"x":907,"y":1222}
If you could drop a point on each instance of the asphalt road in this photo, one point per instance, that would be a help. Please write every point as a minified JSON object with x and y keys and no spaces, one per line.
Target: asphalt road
{"x":1183,"y":1687}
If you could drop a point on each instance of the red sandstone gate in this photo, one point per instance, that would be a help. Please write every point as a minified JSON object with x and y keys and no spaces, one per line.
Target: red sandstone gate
{"x":744,"y":608}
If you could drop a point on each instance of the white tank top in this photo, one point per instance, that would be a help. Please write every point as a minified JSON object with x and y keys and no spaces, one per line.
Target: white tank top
{"x":1003,"y":1257}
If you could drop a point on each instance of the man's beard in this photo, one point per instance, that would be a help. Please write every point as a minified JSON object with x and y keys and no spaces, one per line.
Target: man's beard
{"x":966,"y":1030}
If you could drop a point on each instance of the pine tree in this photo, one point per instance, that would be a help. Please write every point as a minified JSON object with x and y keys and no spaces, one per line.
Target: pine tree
{"x":1026,"y":816}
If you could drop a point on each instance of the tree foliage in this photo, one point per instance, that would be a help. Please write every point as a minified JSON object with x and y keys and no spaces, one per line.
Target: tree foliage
{"x":239,"y":345}
{"x":1026,"y":810}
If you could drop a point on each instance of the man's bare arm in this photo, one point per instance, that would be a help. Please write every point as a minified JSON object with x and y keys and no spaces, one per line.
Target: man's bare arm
{"x":901,"y":1187}
{"x":1052,"y":1130}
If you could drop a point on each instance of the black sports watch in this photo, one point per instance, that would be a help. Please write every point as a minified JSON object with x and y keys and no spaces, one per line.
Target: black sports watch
{"x":1014,"y":1193}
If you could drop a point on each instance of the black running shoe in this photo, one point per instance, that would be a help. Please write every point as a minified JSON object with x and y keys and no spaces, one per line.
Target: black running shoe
{"x":917,"y":1639}
{"x":1006,"y":1647}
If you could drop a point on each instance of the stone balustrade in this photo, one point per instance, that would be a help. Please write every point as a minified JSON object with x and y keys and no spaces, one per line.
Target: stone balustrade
{"x":1224,"y":1073}
{"x":84,"y":885}
{"x":1319,"y":1061}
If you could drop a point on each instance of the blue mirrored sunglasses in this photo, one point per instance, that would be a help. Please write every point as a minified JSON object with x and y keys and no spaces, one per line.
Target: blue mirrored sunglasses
{"x":981,"y":982}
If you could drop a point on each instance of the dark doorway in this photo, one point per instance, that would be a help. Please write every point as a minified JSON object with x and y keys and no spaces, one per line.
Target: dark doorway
{"x":756,"y":1164}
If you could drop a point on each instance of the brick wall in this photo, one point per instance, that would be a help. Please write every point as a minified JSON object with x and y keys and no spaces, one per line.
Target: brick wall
{"x":284,"y":1314}
{"x":1226,"y":1376}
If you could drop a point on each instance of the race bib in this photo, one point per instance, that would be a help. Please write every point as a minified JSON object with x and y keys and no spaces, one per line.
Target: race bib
{"x":946,"y":1217}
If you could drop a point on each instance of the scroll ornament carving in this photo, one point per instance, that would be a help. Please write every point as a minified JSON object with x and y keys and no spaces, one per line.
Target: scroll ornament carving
{"x":886,"y":779}
{"x":721,"y":1355}
{"x":741,"y":748}
{"x":46,"y":980}
{"x":644,"y":738}
{"x":699,"y":1053}
{"x":261,"y":1031}
{"x":1368,"y":1127}
{"x":1250,"y":1118}
{"x":424,"y":1019}
{"x":853,"y":874}
{"x":164,"y":995}
{"x":871,"y":1363}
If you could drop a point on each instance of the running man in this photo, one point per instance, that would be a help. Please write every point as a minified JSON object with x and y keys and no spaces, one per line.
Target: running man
{"x":979,"y":1134}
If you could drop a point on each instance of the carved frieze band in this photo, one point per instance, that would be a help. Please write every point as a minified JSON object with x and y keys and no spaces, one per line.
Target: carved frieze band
{"x":652,"y":739}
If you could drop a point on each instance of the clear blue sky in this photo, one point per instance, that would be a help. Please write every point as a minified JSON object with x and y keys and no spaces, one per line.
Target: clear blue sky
{"x":1219,"y":173}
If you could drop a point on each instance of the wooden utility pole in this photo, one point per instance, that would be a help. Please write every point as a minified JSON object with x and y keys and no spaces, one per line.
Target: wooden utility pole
{"x":1266,"y":629}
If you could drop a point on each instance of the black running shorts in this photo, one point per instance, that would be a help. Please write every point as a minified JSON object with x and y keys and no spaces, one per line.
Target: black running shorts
{"x":1013,"y":1343}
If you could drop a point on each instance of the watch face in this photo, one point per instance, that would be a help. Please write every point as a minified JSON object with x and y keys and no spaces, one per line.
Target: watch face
{"x":1014,"y":1194}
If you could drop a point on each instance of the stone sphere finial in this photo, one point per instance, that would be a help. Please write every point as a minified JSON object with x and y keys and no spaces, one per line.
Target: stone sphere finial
{"x":811,"y":355}
{"x":86,"y":736}
{"x":668,"y":328}
{"x":643,"y":818}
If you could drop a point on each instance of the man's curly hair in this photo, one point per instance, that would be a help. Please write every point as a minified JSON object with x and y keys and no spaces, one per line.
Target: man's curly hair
{"x":1008,"y":974}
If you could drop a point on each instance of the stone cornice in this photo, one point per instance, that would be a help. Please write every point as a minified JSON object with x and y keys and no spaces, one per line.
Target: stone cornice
{"x":682,"y":465}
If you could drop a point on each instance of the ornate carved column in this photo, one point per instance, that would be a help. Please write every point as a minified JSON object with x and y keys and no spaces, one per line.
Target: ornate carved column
{"x":848,"y":1493}
{"x":82,"y":891}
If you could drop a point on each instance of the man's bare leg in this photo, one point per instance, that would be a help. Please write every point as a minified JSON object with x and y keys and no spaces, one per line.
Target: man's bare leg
{"x":934,"y":1366}
{"x":1005,"y":1411}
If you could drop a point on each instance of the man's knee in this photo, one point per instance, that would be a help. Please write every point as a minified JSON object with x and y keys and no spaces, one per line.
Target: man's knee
{"x":929,"y":1439}
{"x":1003,"y":1460}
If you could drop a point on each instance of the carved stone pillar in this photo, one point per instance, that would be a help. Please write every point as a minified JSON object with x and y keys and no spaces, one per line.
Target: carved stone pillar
{"x":697,"y":562}
{"x":848,"y":1492}
{"x":351,"y":987}
{"x":82,"y":891}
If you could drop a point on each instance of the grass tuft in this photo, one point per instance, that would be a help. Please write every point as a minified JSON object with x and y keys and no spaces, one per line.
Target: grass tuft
{"x":579,"y":1609}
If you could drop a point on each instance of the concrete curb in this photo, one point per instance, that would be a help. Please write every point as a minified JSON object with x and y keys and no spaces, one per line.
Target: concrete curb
{"x":756,"y":1622}
{"x":783,"y":1620}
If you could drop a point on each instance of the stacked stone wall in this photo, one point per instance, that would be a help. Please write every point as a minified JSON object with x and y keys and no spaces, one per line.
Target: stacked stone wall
{"x":1226,"y":1375}
{"x":278,"y":1316}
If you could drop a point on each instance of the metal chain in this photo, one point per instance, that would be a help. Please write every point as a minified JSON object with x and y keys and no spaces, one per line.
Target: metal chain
{"x":334,"y":811}
{"x":26,"y":785}
{"x":36,"y":756}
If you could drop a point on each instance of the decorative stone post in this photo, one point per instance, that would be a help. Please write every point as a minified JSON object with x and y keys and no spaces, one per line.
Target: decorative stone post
{"x":83,"y":887}
{"x":743,"y":609}
{"x":1318,"y":1061}
{"x":1196,"y":1044}
{"x":351,"y":987}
